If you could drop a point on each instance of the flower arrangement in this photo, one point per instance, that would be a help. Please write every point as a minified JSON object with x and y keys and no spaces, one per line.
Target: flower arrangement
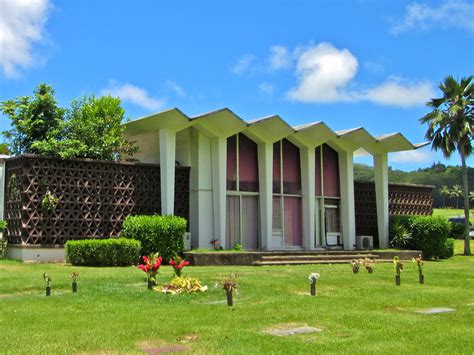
{"x":151,"y":266}
{"x":49,"y":202}
{"x":355,"y":264}
{"x":398,"y":269}
{"x":74,"y":277}
{"x":313,"y":277}
{"x":418,"y":263}
{"x":369,"y":264}
{"x":216,"y":244}
{"x":229,"y":284}
{"x":178,"y":264}
{"x":48,"y":281}
{"x":182,"y":285}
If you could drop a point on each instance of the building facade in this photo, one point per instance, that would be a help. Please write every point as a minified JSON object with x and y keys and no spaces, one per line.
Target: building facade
{"x":262,"y":183}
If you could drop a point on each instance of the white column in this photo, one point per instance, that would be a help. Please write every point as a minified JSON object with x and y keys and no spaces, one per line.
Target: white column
{"x":265,"y":177}
{"x":219,"y":162}
{"x":307,"y":157}
{"x":167,"y":167}
{"x":381,"y":195}
{"x":346,"y":171}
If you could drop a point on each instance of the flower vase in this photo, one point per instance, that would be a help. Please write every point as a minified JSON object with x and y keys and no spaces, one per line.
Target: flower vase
{"x":151,"y":284}
{"x":370,"y":270}
{"x":313,"y":288}
{"x":48,"y":290}
{"x":421,"y":279}
{"x":397,"y":280}
{"x":74,"y":287}
{"x":355,"y":270}
{"x":230,"y":301}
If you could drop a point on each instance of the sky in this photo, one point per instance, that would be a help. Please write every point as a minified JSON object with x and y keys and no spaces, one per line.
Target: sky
{"x":370,"y":63}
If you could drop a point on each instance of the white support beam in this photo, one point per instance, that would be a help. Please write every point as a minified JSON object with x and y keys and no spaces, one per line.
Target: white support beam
{"x":265,"y":177}
{"x":381,"y":195}
{"x":346,"y":171}
{"x":307,"y":158}
{"x":167,"y":169}
{"x":219,"y":162}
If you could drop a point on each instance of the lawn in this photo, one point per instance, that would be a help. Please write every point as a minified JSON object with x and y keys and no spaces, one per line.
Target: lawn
{"x":452,"y":212}
{"x":115,"y":313}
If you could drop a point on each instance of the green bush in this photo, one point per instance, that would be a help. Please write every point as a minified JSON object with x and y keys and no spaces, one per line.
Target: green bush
{"x":157,"y":234}
{"x":103,"y":252}
{"x":448,"y":248}
{"x":430,"y":235}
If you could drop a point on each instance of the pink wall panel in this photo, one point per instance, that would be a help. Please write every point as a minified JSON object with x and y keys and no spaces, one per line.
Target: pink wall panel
{"x":331,"y":172}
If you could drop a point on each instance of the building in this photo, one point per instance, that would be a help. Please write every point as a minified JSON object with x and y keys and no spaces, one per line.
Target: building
{"x":262,"y":183}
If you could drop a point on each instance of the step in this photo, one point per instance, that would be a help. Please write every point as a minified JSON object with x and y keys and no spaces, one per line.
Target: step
{"x":308,"y":262}
{"x":318,"y":257}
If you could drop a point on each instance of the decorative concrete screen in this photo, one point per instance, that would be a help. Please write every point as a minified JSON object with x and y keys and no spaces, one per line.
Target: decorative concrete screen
{"x":403,"y":200}
{"x":94,"y":197}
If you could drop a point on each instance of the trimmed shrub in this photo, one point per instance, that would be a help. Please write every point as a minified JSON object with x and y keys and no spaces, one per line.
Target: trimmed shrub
{"x":157,"y":234}
{"x":103,"y":252}
{"x":430,"y":235}
{"x":448,"y":248}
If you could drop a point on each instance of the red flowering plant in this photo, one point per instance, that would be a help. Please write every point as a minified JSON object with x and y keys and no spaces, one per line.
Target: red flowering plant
{"x":151,"y":265}
{"x":178,"y":264}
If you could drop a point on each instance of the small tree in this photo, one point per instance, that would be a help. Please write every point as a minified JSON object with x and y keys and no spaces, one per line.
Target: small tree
{"x":92,"y":129}
{"x":450,"y":129}
{"x":32,"y":119}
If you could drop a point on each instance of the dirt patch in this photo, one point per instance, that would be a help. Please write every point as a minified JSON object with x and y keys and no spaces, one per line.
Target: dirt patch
{"x":160,"y":347}
{"x":287,"y":329}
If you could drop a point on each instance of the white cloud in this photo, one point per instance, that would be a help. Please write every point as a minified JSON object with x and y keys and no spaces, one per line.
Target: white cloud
{"x":266,"y":88}
{"x":243,"y":64}
{"x":399,"y":92}
{"x":22,"y":24}
{"x":177,"y":89}
{"x":323,"y":72}
{"x":134,"y":94}
{"x":412,"y":156}
{"x":450,"y":14}
{"x":279,"y":58}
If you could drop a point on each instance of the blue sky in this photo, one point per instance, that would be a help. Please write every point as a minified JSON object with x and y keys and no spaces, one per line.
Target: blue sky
{"x":368,"y":63}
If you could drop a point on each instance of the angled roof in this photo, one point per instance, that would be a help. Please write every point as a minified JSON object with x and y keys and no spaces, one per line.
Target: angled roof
{"x":224,"y":122}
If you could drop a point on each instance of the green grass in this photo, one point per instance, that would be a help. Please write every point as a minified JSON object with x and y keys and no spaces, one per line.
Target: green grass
{"x":114,"y":312}
{"x":452,"y":212}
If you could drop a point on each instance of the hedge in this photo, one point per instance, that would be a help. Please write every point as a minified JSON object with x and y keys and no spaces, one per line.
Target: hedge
{"x":157,"y":234}
{"x":103,"y":252}
{"x":431,"y":236}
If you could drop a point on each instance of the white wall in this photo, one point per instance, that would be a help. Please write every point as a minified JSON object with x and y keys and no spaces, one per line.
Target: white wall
{"x":149,"y":144}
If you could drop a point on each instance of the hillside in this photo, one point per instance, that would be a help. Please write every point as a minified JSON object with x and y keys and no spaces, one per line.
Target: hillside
{"x":436,"y":175}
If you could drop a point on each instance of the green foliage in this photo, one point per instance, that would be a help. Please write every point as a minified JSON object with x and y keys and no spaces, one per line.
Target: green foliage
{"x":400,"y":236}
{"x":3,"y":225}
{"x":429,"y":234}
{"x":4,"y":149}
{"x":157,"y":234}
{"x":103,"y":252}
{"x":448,"y":248}
{"x":32,"y":119}
{"x":92,"y":129}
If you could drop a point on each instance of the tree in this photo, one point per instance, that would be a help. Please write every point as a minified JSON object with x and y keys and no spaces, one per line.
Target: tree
{"x":444,"y":192}
{"x":92,"y":129}
{"x":456,"y":192}
{"x":471,"y":195}
{"x":32,"y":118}
{"x":450,"y":129}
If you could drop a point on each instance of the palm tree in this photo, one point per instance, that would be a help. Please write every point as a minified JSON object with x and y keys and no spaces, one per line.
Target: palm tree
{"x":457,"y":192}
{"x":444,"y":192}
{"x":451,"y":128}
